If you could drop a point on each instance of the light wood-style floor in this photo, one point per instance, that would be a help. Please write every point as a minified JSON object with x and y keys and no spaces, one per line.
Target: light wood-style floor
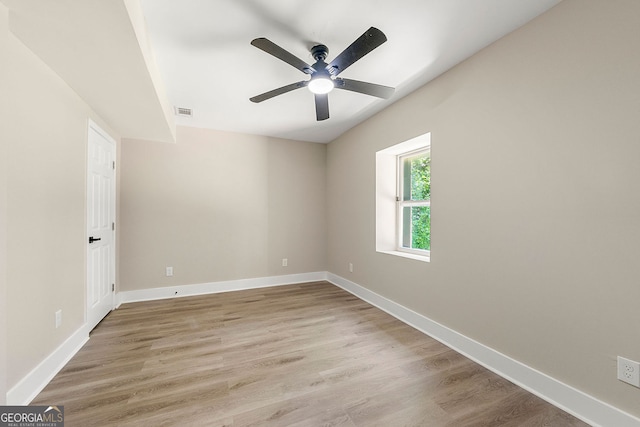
{"x":300,"y":355}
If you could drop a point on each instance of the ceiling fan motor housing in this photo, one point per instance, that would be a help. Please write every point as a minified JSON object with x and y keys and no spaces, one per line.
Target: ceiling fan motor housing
{"x":319,"y":52}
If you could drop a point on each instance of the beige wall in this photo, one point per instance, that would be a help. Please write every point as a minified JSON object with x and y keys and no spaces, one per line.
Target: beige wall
{"x":46,"y":134}
{"x":4,"y":112}
{"x":535,"y":198}
{"x":220,"y":206}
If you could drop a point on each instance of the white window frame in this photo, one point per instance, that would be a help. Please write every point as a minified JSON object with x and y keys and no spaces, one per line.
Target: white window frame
{"x":386,"y":193}
{"x":401,"y":204}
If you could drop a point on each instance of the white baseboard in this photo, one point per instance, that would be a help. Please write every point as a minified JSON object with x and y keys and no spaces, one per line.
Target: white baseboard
{"x":217,"y":287}
{"x":581,"y":405}
{"x":36,"y":380}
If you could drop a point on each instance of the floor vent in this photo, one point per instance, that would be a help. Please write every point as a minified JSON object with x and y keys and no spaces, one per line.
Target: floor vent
{"x":183,"y":112}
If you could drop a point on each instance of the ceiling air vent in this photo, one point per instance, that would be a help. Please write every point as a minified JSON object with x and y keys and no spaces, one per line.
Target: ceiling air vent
{"x":183,"y":112}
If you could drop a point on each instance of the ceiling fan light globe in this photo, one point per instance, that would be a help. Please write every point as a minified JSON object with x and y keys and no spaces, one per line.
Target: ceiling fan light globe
{"x":321,"y":85}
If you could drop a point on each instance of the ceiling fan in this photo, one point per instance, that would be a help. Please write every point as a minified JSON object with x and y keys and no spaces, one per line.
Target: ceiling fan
{"x":324,"y":77}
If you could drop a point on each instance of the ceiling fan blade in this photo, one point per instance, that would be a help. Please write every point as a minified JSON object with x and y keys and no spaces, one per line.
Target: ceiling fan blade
{"x":275,"y":50}
{"x":371,"y":39}
{"x":279,"y":91}
{"x":322,"y":107}
{"x":364,"y":87}
{"x":322,"y":101}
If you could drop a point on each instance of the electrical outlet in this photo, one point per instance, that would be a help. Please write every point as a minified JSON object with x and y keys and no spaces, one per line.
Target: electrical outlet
{"x":350,"y":267}
{"x":58,"y":318}
{"x":285,"y":262}
{"x":629,"y":371}
{"x":169,"y":271}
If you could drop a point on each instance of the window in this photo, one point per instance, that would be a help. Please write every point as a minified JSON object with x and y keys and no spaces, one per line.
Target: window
{"x":414,"y":204}
{"x":403,"y":199}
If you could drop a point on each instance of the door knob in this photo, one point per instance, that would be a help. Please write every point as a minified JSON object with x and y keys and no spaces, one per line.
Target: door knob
{"x":93,"y":239}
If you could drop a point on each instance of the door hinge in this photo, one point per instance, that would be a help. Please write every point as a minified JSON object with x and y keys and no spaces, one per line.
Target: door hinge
{"x":113,"y":287}
{"x":113,"y":226}
{"x":114,"y":165}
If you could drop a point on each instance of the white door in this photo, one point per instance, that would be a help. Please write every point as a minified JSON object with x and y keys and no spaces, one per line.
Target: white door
{"x":101,"y":212}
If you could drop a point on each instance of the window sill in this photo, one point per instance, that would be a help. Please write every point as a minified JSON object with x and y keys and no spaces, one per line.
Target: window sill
{"x":422,"y":258}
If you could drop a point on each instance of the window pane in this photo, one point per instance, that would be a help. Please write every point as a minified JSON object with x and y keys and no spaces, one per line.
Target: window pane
{"x":417,"y":177}
{"x":406,"y":179}
{"x":406,"y":227}
{"x":416,"y":227}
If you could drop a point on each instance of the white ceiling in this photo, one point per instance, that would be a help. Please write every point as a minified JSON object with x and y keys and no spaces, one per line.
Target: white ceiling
{"x":203,"y":52}
{"x":204,"y":60}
